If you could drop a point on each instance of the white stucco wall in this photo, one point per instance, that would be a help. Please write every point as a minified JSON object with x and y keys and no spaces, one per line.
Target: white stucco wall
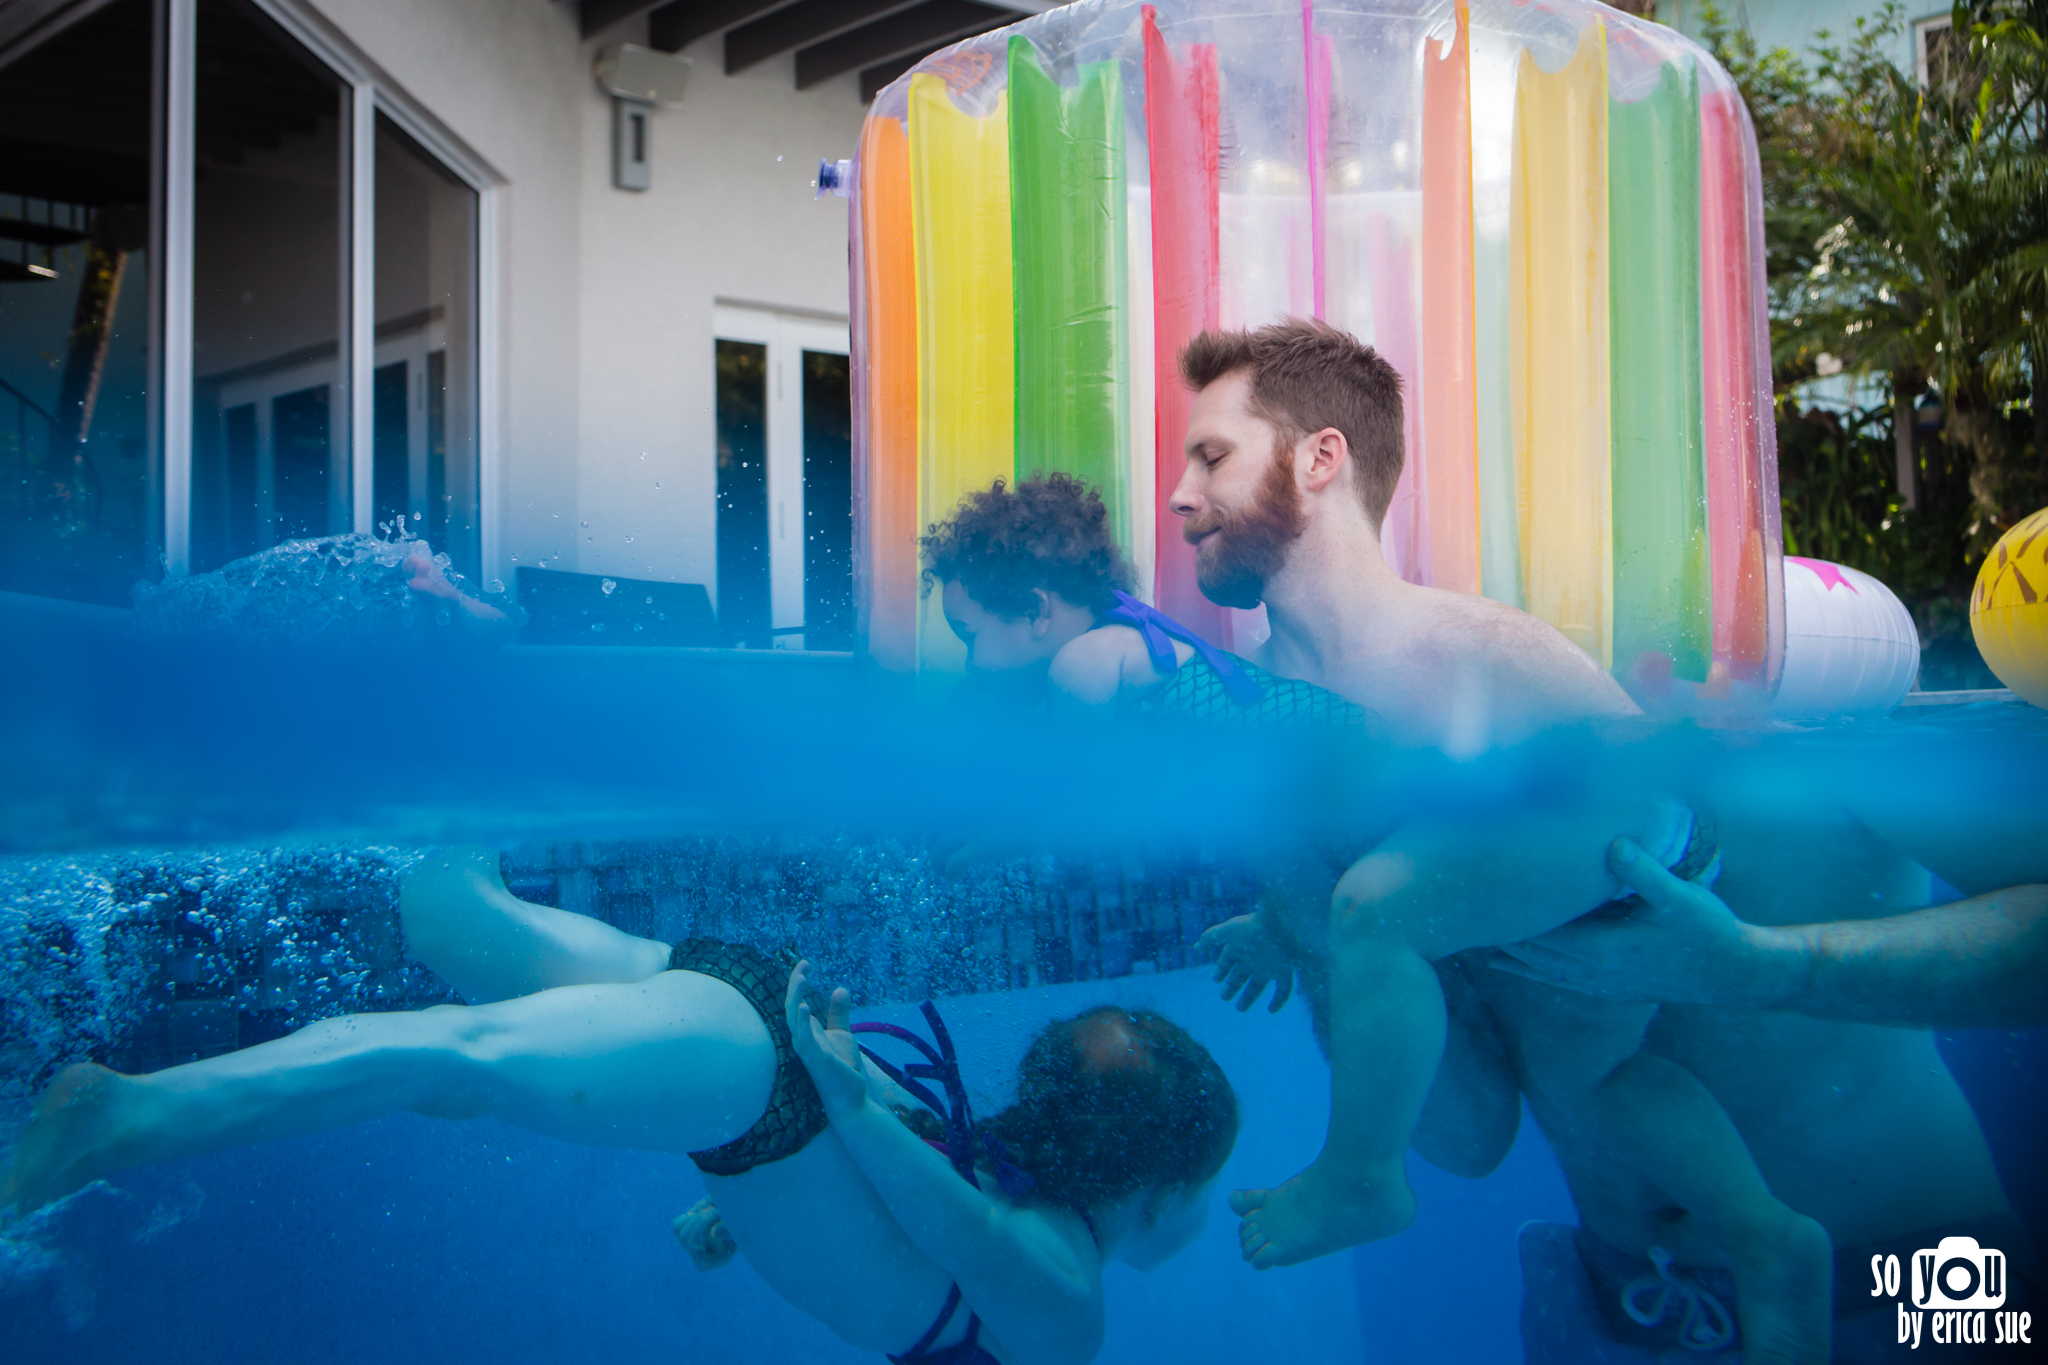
{"x":606,"y":296}
{"x":730,"y":217}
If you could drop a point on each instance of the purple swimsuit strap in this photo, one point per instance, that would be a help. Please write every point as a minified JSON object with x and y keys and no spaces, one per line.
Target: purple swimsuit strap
{"x":1159,"y":631}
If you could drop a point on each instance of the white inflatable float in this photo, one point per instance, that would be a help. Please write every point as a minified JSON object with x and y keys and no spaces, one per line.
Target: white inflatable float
{"x":1851,"y":648}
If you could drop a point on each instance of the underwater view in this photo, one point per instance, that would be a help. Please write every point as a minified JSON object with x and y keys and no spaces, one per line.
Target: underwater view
{"x":201,"y":889}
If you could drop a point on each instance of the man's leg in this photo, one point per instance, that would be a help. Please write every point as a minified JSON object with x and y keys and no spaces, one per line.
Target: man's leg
{"x":1586,"y":1058}
{"x":462,"y":924}
{"x":676,"y":1063}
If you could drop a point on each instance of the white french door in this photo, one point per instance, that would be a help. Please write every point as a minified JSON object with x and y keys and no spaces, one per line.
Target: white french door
{"x":786,"y":339}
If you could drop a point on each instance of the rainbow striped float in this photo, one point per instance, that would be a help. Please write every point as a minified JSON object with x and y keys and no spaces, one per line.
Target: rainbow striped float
{"x":1546,"y":215}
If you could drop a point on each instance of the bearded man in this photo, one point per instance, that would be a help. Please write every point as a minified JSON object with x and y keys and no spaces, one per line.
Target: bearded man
{"x":1294,"y":450}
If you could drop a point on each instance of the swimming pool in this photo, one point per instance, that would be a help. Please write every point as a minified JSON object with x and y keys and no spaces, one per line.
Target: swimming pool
{"x":174,"y":888}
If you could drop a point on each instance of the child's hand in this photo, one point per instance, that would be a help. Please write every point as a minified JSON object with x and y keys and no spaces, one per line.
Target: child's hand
{"x":1249,"y":960}
{"x":828,"y":1050}
{"x":704,"y":1237}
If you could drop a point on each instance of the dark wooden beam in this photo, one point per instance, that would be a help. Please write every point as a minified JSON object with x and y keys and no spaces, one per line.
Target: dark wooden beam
{"x":935,"y":22}
{"x":599,"y":15}
{"x":679,"y":23}
{"x":800,"y":25}
{"x":875,"y":79}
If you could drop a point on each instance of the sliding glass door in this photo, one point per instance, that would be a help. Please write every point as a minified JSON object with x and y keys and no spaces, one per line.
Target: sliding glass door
{"x":239,"y":302}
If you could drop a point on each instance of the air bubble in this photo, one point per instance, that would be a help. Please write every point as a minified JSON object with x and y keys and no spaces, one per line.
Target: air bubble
{"x":609,"y":586}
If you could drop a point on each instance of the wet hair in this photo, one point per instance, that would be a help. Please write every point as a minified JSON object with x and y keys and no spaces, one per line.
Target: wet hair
{"x":1307,"y":375}
{"x":1003,"y":543}
{"x":1115,"y":1101}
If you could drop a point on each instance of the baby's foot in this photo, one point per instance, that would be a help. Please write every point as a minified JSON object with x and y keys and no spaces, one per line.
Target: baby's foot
{"x":70,"y":1141}
{"x":1784,"y":1294}
{"x":1316,"y":1213}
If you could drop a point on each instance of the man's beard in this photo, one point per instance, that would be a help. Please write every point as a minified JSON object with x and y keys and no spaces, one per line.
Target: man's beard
{"x":1249,"y":546}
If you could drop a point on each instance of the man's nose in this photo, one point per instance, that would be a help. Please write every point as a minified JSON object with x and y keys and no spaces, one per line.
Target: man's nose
{"x":1185,"y":502}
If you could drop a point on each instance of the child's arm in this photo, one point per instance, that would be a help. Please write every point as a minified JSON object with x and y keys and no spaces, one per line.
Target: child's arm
{"x":1038,"y":1296}
{"x":1249,"y":959}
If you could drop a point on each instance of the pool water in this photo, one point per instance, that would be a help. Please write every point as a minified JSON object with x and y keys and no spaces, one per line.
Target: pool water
{"x":201,"y":850}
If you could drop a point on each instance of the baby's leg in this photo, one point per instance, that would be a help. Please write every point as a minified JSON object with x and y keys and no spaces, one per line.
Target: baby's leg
{"x":676,"y":1063}
{"x":1585,"y":1056}
{"x":462,"y":924}
{"x":1433,"y":888}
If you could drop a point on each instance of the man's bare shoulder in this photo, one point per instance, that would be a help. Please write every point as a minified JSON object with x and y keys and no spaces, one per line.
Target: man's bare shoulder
{"x":1518,"y":651}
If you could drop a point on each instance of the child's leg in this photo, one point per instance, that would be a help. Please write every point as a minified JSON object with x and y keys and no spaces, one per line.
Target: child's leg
{"x":677,"y":1063}
{"x":1585,"y":1055}
{"x":463,"y":925}
{"x":1433,"y":888}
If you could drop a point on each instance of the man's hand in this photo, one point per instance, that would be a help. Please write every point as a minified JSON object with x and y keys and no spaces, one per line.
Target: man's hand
{"x":1683,"y":945}
{"x":828,"y":1050}
{"x":1249,"y":960}
{"x":704,"y":1237}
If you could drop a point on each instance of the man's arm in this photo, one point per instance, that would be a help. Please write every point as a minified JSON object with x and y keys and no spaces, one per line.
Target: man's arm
{"x":1977,"y":963}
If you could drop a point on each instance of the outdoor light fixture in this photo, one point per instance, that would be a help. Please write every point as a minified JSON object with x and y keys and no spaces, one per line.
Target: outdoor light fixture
{"x":637,"y":79}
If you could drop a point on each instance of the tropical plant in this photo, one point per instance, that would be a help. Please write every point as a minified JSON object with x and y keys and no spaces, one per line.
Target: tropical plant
{"x":1906,"y":231}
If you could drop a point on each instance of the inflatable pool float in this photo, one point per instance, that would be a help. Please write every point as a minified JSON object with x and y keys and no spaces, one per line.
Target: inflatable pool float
{"x":1546,"y":215}
{"x":2009,"y":609}
{"x":1851,"y":649}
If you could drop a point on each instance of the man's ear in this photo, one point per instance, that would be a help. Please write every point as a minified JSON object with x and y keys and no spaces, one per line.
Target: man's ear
{"x":1041,"y":613}
{"x":1329,"y":453}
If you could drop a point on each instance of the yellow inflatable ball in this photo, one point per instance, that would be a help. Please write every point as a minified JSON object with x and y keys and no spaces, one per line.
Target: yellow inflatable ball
{"x":2009,"y":609}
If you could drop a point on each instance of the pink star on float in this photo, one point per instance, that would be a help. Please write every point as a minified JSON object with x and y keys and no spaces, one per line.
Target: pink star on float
{"x":1829,"y":574}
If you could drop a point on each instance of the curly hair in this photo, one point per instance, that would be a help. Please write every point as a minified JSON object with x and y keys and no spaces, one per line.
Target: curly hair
{"x":1050,"y":531}
{"x":1114,"y":1101}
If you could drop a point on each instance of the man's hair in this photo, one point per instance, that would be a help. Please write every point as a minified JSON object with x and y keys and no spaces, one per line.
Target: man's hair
{"x":1307,"y":375}
{"x":1050,"y":531}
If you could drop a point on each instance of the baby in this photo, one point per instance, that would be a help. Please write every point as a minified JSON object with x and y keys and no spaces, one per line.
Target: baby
{"x":1364,"y":950}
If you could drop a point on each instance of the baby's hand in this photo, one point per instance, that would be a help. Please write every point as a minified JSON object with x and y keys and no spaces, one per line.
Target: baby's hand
{"x":1248,"y":961}
{"x":704,"y":1237}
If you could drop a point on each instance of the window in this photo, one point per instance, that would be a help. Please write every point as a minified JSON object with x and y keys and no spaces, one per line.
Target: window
{"x":80,"y":481}
{"x":785,"y":481}
{"x":270,"y":224}
{"x":425,"y":406}
{"x":1933,"y":48}
{"x":240,"y":301}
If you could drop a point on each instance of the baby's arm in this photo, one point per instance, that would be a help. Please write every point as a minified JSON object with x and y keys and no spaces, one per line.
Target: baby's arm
{"x":1249,"y":959}
{"x":1034,"y":1291}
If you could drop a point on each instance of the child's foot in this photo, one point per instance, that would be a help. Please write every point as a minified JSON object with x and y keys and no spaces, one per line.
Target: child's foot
{"x":704,"y":1237}
{"x":1315,"y":1214}
{"x":1784,"y":1294}
{"x":69,"y":1142}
